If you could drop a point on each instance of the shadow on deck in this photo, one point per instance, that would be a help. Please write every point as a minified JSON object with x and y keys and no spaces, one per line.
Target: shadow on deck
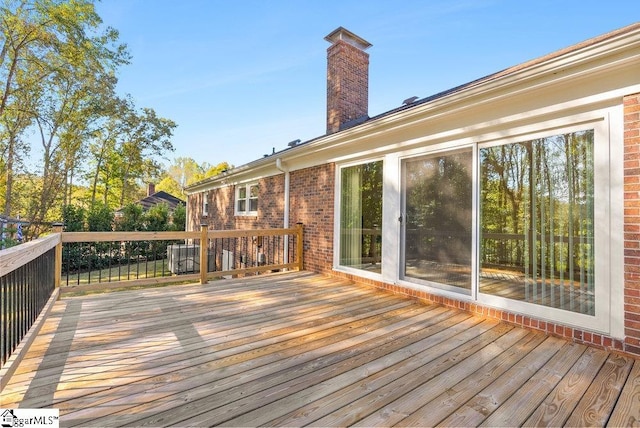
{"x":305,"y":349}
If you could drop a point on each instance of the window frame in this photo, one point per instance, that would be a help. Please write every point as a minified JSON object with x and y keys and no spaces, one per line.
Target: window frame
{"x":603,"y":162}
{"x":429,"y":153}
{"x":247,"y":199}
{"x":338,"y":215}
{"x":205,"y":203}
{"x":609,"y":258}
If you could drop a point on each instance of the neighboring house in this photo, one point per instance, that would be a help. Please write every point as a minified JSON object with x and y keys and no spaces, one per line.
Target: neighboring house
{"x":154,"y":198}
{"x":515,"y":196}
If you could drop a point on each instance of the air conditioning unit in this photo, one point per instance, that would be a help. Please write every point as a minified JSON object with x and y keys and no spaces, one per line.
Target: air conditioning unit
{"x":227,"y":262}
{"x":183,"y":258}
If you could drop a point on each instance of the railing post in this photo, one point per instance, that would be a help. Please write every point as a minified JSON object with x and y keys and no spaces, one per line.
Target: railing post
{"x":57,"y":228}
{"x":300,"y":246}
{"x":203,"y":253}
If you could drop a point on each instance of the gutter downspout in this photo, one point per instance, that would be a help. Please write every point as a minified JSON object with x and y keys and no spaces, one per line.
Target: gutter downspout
{"x":284,"y":169}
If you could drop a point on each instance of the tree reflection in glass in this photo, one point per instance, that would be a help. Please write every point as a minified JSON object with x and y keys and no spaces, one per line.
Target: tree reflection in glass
{"x":438,"y":205}
{"x":537,"y":221}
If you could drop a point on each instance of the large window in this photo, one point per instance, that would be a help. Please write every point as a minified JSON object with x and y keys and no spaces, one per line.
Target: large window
{"x":361,"y":216}
{"x":247,"y":199}
{"x":537,"y":221}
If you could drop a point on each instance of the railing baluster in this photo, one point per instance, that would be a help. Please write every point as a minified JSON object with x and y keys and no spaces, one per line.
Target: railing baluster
{"x":24,"y":292}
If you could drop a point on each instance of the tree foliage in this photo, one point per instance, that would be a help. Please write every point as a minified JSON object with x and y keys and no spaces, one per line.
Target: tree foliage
{"x":542,"y":192}
{"x":100,"y":218}
{"x":73,"y":217}
{"x":185,"y":171}
{"x":124,"y":151}
{"x":180,"y":218}
{"x":58,"y":66}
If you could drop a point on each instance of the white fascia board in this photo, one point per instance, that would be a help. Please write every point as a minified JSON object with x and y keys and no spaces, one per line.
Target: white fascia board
{"x":243,"y":174}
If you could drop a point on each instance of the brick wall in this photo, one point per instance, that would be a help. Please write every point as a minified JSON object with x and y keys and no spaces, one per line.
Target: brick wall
{"x":632,"y":223}
{"x":312,"y":199}
{"x":347,"y":84}
{"x":312,"y":192}
{"x":271,"y":203}
{"x":194,"y":209}
{"x":221,"y":214}
{"x":222,"y":209}
{"x":311,"y":202}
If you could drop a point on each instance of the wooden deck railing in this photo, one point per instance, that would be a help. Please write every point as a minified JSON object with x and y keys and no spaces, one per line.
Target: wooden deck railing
{"x":34,"y":273}
{"x":138,"y":258}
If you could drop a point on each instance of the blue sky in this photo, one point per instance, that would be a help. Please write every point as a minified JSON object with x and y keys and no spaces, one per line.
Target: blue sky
{"x":243,"y":77}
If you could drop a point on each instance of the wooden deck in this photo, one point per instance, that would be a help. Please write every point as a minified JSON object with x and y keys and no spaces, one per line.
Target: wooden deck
{"x":303,"y":349}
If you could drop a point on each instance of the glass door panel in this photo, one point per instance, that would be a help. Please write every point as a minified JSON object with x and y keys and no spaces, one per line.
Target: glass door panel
{"x":438,"y":213}
{"x":361,"y":216}
{"x":537,"y":221}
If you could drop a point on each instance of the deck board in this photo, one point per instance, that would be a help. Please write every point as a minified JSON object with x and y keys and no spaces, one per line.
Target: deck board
{"x":302,"y":349}
{"x":519,"y":406}
{"x":627,"y":410}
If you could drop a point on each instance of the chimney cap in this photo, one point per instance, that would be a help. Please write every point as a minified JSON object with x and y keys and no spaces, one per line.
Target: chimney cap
{"x":342,"y":33}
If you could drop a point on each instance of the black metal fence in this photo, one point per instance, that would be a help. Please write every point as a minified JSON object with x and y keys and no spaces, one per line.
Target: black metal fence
{"x":97,"y":262}
{"x":91,"y":262}
{"x":24,"y":292}
{"x":250,"y":253}
{"x":550,"y":255}
{"x":110,"y":257}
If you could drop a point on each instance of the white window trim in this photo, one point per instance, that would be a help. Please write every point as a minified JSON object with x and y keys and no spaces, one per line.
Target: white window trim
{"x":601,"y":321}
{"x":205,"y":203}
{"x":336,"y":220}
{"x":247,"y":199}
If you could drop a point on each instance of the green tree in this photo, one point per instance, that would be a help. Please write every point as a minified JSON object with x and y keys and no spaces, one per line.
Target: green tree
{"x":211,"y":171}
{"x":157,"y":218}
{"x":169,"y":185}
{"x":185,"y":171}
{"x":58,"y":67}
{"x":100,"y":218}
{"x":145,"y":136}
{"x":179,"y":221}
{"x":102,"y":150}
{"x":182,"y":172}
{"x":73,"y":218}
{"x":13,"y":124}
{"x":131,"y":219}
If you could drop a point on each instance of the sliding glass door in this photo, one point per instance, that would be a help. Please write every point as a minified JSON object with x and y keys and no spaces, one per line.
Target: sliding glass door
{"x":437,"y":194}
{"x":530,"y":238}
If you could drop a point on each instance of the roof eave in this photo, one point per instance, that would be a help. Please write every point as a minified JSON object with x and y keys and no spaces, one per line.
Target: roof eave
{"x":520,"y":75}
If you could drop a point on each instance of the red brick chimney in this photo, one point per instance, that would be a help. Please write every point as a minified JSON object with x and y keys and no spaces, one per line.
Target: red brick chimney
{"x":347,"y":79}
{"x":151,"y":189}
